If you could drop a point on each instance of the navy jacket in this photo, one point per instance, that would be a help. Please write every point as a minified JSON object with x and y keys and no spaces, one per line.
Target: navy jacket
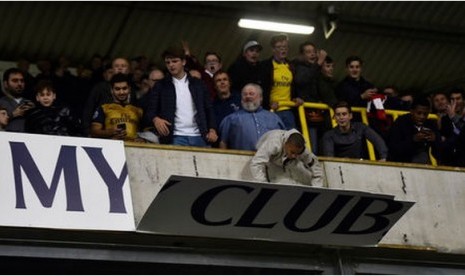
{"x":349,"y":90}
{"x":161,"y":102}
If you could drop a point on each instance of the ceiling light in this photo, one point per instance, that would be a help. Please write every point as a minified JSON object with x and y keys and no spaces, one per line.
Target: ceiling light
{"x":275,"y":26}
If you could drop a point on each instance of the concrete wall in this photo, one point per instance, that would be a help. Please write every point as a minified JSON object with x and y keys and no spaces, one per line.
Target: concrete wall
{"x":435,"y":222}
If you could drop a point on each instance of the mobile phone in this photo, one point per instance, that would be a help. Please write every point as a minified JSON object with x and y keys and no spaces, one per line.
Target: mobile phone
{"x":26,"y":102}
{"x":24,"y":105}
{"x":425,"y":129}
{"x":121,"y":126}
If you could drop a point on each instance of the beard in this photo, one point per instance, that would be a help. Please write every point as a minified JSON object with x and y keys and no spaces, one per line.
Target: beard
{"x":250,"y":106}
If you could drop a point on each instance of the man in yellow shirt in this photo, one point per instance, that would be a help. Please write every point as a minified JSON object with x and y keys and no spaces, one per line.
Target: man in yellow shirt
{"x":118,"y":120}
{"x":277,"y":81}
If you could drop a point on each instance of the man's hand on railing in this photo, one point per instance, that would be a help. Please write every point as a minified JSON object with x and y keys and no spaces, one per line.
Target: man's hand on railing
{"x":298,"y":101}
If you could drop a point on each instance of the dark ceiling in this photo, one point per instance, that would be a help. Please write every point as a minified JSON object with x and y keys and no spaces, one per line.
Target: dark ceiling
{"x":408,"y":44}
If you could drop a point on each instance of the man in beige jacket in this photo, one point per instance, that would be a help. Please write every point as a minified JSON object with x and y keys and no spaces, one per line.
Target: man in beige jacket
{"x":282,"y":157}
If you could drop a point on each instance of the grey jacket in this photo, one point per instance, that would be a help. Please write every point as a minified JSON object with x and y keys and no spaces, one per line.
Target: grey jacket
{"x":16,"y":124}
{"x":270,"y":163}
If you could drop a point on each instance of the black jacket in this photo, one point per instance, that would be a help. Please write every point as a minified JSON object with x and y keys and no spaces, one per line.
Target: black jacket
{"x":161,"y":102}
{"x":242,"y":72}
{"x":349,"y":90}
{"x":54,"y":120}
{"x":401,"y":146}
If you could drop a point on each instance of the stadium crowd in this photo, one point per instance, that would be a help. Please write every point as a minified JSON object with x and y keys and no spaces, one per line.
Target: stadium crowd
{"x":203,"y":103}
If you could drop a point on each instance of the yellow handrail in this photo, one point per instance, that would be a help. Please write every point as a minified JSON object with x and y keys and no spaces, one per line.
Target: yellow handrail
{"x":363,"y":112}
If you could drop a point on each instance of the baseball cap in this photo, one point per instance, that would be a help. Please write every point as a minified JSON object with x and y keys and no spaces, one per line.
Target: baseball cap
{"x":252,"y":43}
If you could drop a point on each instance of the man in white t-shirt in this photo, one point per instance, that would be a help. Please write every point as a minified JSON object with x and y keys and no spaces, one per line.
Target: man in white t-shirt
{"x":179,"y":106}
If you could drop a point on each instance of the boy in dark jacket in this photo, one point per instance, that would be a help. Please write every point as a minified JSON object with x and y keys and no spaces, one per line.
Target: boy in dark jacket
{"x":49,"y":117}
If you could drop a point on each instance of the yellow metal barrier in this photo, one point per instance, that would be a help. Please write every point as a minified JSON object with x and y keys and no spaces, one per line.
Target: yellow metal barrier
{"x":363,"y":112}
{"x":303,"y":118}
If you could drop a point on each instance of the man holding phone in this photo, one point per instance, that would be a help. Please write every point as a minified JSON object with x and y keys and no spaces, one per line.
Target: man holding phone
{"x":118,"y":120}
{"x":14,"y":101}
{"x":412,"y":135}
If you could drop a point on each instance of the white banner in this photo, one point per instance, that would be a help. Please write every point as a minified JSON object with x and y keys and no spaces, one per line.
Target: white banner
{"x":193,"y":206}
{"x":64,"y":182}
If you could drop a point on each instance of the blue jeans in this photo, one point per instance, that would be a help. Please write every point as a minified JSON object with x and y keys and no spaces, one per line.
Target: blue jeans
{"x":194,"y":141}
{"x":287,"y":116}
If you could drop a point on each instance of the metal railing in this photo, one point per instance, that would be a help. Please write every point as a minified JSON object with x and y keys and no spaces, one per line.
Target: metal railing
{"x":361,"y":110}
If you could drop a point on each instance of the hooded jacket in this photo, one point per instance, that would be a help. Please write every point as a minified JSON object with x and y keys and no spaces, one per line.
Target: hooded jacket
{"x":270,"y":163}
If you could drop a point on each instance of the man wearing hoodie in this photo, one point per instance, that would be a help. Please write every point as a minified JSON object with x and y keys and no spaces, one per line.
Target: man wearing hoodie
{"x":282,"y":157}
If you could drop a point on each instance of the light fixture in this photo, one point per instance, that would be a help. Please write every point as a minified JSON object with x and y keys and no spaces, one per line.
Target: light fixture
{"x":329,"y":21}
{"x":275,"y":26}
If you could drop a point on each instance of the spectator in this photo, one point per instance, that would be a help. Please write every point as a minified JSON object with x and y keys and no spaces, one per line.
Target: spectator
{"x":119,"y":119}
{"x":412,"y":135}
{"x":440,"y":102}
{"x":155,"y":75}
{"x":101,"y":92}
{"x":29,"y":79}
{"x":358,"y":92}
{"x":246,"y":67}
{"x":226,"y":101}
{"x":389,"y":99}
{"x":348,"y":139}
{"x":97,"y":68}
{"x":307,"y":69}
{"x":67,"y":88}
{"x":407,"y":98}
{"x":137,"y":76}
{"x":48,"y":117}
{"x":212,"y":64}
{"x":321,"y":118}
{"x":393,"y":100}
{"x":4,"y":118}
{"x":458,"y":157}
{"x":148,"y":82}
{"x":46,"y":69}
{"x":16,"y":105}
{"x":276,"y":81}
{"x":326,"y":82}
{"x":355,"y":89}
{"x":452,"y":123}
{"x":242,"y":129}
{"x":144,"y":63}
{"x":282,"y":157}
{"x":179,"y":106}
